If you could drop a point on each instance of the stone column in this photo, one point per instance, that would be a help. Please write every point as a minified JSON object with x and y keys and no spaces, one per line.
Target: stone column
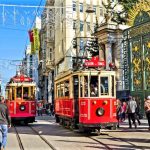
{"x":108,"y":54}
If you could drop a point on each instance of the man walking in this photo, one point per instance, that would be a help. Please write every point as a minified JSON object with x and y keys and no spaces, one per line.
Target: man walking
{"x":5,"y":122}
{"x":131,"y":107}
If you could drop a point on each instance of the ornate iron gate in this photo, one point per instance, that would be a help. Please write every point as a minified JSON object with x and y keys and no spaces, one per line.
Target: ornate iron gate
{"x":137,"y":57}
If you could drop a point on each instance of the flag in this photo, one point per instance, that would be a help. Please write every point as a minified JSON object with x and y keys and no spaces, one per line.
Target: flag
{"x":31,"y":35}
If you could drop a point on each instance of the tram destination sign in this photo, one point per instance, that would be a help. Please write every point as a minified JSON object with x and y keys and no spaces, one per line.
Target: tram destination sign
{"x":139,"y":30}
{"x":94,"y":62}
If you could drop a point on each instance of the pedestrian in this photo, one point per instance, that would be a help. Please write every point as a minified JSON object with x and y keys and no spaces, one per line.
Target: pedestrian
{"x":52,"y":109}
{"x":118,"y":111}
{"x":131,"y":107}
{"x":147,"y":110}
{"x":137,"y":113}
{"x":40,"y":108}
{"x":123,"y":111}
{"x":5,"y":122}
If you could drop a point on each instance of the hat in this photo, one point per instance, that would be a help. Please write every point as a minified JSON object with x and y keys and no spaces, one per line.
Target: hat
{"x":148,"y":97}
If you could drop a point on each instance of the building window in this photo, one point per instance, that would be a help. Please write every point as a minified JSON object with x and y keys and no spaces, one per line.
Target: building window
{"x":74,"y":24}
{"x":62,"y":8}
{"x":101,"y":11}
{"x":81,"y":25}
{"x":62,"y":46}
{"x":88,"y":26}
{"x":94,"y":8}
{"x":81,"y":7}
{"x":62,"y":26}
{"x":81,"y":44}
{"x":74,"y":6}
{"x":50,"y":54}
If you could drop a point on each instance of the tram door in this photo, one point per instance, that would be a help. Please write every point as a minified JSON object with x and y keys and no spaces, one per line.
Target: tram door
{"x":76,"y":94}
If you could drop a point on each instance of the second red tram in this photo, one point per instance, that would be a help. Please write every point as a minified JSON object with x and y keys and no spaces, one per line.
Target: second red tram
{"x":86,"y":99}
{"x":20,"y":98}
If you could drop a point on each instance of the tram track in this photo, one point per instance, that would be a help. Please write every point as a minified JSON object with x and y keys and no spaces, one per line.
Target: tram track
{"x":112,"y":137}
{"x":20,"y":142}
{"x":44,"y":139}
{"x":19,"y":139}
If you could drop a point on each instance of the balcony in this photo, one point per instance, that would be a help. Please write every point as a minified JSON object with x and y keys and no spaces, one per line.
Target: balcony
{"x":49,"y":65}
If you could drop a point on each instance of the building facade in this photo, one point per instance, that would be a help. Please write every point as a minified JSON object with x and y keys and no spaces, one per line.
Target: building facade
{"x":46,"y":54}
{"x":30,"y":61}
{"x":66,"y":20}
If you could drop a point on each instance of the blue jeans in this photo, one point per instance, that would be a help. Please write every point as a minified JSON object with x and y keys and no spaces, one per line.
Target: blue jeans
{"x":3,"y":139}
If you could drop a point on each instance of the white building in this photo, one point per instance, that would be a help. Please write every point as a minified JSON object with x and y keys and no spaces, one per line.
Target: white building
{"x":71,"y":20}
{"x":30,"y":62}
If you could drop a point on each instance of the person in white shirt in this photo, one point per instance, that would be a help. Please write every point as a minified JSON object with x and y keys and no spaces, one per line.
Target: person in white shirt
{"x":131,"y":107}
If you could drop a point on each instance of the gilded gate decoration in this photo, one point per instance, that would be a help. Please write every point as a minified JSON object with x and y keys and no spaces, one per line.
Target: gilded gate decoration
{"x":137,"y":45}
{"x":147,"y":62}
{"x":136,"y":62}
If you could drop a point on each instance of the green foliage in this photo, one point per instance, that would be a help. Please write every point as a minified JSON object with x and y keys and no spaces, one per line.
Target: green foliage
{"x":127,"y":4}
{"x":122,"y":16}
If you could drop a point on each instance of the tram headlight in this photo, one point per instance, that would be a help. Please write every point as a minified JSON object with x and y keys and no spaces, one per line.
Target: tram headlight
{"x":100,"y":112}
{"x":22,"y":107}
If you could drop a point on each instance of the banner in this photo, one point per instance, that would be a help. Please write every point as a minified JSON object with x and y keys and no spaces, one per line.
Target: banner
{"x":31,"y":37}
{"x":36,"y":39}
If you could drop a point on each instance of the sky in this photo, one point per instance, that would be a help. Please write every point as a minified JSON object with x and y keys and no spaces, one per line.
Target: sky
{"x":15,"y":21}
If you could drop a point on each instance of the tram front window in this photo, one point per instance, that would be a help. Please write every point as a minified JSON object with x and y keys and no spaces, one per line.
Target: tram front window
{"x":25,"y":93}
{"x":94,"y":86}
{"x":19,"y":92}
{"x":104,"y":86}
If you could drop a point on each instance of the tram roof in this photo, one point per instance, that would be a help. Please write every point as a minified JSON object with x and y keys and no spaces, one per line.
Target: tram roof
{"x":92,"y":71}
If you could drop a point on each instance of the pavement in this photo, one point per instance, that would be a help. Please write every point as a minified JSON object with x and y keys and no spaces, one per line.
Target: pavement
{"x":123,"y":125}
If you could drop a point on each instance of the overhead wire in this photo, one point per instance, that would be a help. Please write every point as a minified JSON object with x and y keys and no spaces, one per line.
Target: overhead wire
{"x":33,"y":24}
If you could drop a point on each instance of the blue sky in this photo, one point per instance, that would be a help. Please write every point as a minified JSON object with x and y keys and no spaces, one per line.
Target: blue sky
{"x":15,"y":22}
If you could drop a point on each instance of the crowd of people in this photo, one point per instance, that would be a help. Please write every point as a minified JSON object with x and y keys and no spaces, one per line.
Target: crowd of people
{"x":131,"y":110}
{"x":46,"y":108}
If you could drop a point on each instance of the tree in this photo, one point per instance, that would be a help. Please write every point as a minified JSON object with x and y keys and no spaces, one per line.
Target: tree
{"x":122,"y":15}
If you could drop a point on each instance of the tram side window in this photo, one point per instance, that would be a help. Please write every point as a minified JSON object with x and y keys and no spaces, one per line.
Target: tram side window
{"x":25,"y":93}
{"x":104,"y":86}
{"x":19,"y":92}
{"x":94,"y":86}
{"x":85,"y":86}
{"x":58,"y":90}
{"x":81,"y":86}
{"x":112,"y":88}
{"x":13,"y":93}
{"x":61,"y":89}
{"x":32,"y":94}
{"x":66,"y":85}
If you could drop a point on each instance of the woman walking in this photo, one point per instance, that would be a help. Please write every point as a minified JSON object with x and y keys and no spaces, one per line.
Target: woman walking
{"x":147,"y":110}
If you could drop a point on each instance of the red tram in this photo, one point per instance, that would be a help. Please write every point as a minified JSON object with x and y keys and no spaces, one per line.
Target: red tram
{"x":86,"y":99}
{"x":20,"y":98}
